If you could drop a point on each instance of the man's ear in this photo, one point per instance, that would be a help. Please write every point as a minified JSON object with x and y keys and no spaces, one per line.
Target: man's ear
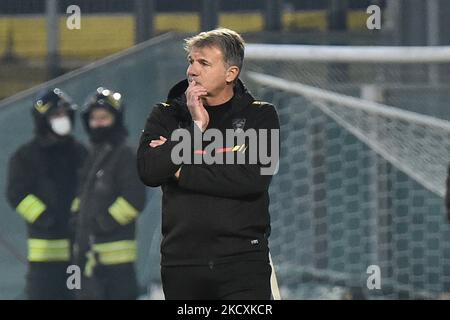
{"x":232,"y":74}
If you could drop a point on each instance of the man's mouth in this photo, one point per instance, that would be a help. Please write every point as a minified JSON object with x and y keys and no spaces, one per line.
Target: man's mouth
{"x":190,"y":79}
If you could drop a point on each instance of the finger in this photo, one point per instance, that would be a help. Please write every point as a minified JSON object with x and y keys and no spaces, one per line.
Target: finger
{"x":162,"y":138}
{"x":199,"y":89}
{"x":195,"y":99}
{"x":159,"y":141}
{"x":155,"y":144}
{"x":199,"y":92}
{"x":193,"y":86}
{"x":162,"y":141}
{"x":189,"y":88}
{"x":196,"y":89}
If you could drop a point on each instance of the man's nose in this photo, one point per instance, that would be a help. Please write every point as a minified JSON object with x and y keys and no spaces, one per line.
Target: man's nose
{"x":192,"y":71}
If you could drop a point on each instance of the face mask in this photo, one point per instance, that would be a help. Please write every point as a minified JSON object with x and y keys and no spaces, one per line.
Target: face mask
{"x":101,"y":134}
{"x":61,"y":125}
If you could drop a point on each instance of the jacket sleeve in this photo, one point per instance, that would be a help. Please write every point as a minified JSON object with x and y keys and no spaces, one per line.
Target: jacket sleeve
{"x":155,"y":165}
{"x":81,"y":154}
{"x":20,"y":194}
{"x":234,"y":180}
{"x":131,"y":192}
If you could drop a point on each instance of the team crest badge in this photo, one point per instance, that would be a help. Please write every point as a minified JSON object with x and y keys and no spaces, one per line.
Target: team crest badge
{"x":238,"y":124}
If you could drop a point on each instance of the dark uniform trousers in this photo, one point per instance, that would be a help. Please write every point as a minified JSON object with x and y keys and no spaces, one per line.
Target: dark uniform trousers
{"x":112,"y":282}
{"x":48,"y":281}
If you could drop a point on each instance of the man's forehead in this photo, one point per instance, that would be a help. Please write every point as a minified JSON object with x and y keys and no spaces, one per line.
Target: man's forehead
{"x":58,"y":111}
{"x":205,"y":52}
{"x":101,"y":112}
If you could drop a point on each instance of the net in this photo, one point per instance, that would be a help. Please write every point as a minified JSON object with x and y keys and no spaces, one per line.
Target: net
{"x":360,"y":183}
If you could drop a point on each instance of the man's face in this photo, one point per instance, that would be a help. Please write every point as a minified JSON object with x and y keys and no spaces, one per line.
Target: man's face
{"x":208,"y":69}
{"x":100,"y":118}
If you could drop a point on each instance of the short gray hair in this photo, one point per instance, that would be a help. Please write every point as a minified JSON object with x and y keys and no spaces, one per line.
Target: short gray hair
{"x":228,"y":41}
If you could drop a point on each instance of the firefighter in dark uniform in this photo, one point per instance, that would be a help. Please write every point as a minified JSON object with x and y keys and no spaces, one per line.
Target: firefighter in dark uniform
{"x":42,"y":184}
{"x":111,"y":197}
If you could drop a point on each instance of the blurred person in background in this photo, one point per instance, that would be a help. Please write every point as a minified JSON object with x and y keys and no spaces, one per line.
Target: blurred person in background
{"x":42,"y":183}
{"x":110,"y":199}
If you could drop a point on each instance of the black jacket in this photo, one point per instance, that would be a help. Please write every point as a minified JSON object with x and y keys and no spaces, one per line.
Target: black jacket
{"x":47,"y":171}
{"x":213,"y":213}
{"x":109,"y":174}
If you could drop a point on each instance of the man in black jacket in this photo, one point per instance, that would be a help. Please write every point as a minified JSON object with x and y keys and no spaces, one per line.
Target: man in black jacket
{"x":42,"y":183}
{"x":110,"y":199}
{"x":215,"y":218}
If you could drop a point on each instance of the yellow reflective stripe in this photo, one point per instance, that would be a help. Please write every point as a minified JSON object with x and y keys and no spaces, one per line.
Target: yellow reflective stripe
{"x":116,"y":245}
{"x":122,"y":211}
{"x":117,"y":257}
{"x":42,"y":250}
{"x":75,"y":207}
{"x":31,"y":208}
{"x":90,"y":264}
{"x":51,"y":244}
{"x":116,"y":252}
